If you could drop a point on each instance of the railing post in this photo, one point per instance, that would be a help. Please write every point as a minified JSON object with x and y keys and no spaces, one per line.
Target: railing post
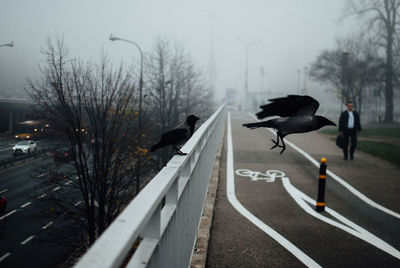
{"x":320,"y":206}
{"x":172,"y":195}
{"x":153,"y":227}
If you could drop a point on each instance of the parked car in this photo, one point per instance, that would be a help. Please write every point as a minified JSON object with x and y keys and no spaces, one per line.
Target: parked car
{"x":63,"y":155}
{"x":25,"y":147}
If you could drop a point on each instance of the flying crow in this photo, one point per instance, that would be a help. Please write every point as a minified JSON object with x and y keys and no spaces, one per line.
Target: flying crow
{"x":297,"y":115}
{"x":178,"y":136}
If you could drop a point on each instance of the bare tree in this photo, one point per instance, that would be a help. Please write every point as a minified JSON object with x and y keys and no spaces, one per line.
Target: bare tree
{"x":93,"y":106}
{"x":350,"y":69}
{"x":382,"y":18}
{"x":175,"y":89}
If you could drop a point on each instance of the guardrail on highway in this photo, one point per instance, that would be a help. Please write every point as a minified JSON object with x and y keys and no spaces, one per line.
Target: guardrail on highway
{"x":165,"y":215}
{"x":10,"y":161}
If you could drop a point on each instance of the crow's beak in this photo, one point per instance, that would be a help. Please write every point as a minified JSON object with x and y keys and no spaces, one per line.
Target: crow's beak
{"x":330,"y":123}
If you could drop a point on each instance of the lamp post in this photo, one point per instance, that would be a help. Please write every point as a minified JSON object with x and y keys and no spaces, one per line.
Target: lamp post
{"x":246,"y":81}
{"x":298,"y":81}
{"x":114,"y":38}
{"x":11,"y":44}
{"x":305,"y":80}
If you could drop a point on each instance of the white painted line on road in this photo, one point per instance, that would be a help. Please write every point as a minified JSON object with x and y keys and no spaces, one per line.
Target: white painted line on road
{"x":68,"y":182}
{"x":8,"y":214}
{"x":300,"y":198}
{"x":27,"y":240}
{"x":78,"y":203}
{"x":339,"y":180}
{"x":43,"y":195}
{"x":2,"y":258}
{"x":76,"y":177}
{"x":56,"y":189}
{"x":44,"y":174}
{"x":26,"y":204}
{"x":6,"y":149}
{"x":3,"y":191}
{"x":230,"y":190}
{"x":47,"y":225}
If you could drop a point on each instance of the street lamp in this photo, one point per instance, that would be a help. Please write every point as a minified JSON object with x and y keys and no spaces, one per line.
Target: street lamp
{"x":298,"y":81}
{"x":246,"y":82}
{"x":11,"y":44}
{"x":305,"y":80}
{"x":114,"y":38}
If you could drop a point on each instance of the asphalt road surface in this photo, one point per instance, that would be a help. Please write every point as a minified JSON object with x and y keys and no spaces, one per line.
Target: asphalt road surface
{"x":265,"y":212}
{"x":6,"y":151}
{"x":24,"y":237}
{"x":6,"y":145}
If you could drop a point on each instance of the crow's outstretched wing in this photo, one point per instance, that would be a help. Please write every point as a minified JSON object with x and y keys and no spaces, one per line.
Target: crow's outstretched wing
{"x":289,"y":106}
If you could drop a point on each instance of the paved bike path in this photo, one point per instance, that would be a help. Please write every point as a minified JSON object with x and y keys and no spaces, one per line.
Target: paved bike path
{"x":238,"y":242}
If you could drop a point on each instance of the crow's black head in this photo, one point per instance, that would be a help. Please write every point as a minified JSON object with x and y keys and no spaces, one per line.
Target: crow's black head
{"x":322,"y":121}
{"x":191,"y":120}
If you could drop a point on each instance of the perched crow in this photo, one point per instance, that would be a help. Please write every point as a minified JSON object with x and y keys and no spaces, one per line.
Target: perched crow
{"x":297,"y":115}
{"x":178,"y":136}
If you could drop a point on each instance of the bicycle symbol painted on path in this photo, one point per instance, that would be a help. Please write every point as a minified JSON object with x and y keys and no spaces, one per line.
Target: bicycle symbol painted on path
{"x":268,"y":176}
{"x":304,"y":201}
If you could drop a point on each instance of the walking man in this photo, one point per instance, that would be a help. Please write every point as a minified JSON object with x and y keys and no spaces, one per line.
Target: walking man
{"x":349,"y":124}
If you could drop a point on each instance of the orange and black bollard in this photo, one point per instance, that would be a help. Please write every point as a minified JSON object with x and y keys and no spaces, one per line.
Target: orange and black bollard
{"x":321,"y":186}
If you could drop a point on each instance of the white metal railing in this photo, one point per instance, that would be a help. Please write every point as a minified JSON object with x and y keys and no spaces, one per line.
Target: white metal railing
{"x":168,"y":233}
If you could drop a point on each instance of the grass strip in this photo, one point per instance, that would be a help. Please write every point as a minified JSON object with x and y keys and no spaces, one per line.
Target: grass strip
{"x":385,"y":151}
{"x":369,"y":132}
{"x":382,"y":150}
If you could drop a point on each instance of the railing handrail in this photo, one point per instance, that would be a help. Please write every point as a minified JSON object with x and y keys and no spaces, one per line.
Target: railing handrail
{"x":114,"y":244}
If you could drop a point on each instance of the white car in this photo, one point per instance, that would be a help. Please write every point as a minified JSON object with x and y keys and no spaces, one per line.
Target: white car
{"x":25,"y":147}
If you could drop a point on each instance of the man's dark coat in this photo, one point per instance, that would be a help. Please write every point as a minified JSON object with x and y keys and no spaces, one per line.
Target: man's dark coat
{"x":344,"y":119}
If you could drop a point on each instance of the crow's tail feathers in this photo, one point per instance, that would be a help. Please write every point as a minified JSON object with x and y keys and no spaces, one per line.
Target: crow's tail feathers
{"x":156,"y":147}
{"x":252,"y":125}
{"x":263,"y":114}
{"x":269,"y":123}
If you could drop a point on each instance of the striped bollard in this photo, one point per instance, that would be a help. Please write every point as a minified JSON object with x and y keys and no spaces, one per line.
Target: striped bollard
{"x":320,"y":206}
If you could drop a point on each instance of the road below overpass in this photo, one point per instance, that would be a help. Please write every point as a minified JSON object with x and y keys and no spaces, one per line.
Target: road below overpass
{"x":26,"y":239}
{"x":6,"y":151}
{"x":29,"y":236}
{"x":265,"y":212}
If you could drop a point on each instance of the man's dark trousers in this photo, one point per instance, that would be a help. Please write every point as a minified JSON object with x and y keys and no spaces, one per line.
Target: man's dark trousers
{"x":349,"y":134}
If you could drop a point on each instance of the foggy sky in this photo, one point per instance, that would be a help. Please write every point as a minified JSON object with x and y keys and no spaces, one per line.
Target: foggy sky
{"x":292,"y":34}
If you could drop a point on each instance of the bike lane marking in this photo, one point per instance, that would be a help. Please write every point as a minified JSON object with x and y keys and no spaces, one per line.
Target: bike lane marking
{"x":338,"y":179}
{"x":230,"y":191}
{"x":347,"y":225}
{"x":302,"y":199}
